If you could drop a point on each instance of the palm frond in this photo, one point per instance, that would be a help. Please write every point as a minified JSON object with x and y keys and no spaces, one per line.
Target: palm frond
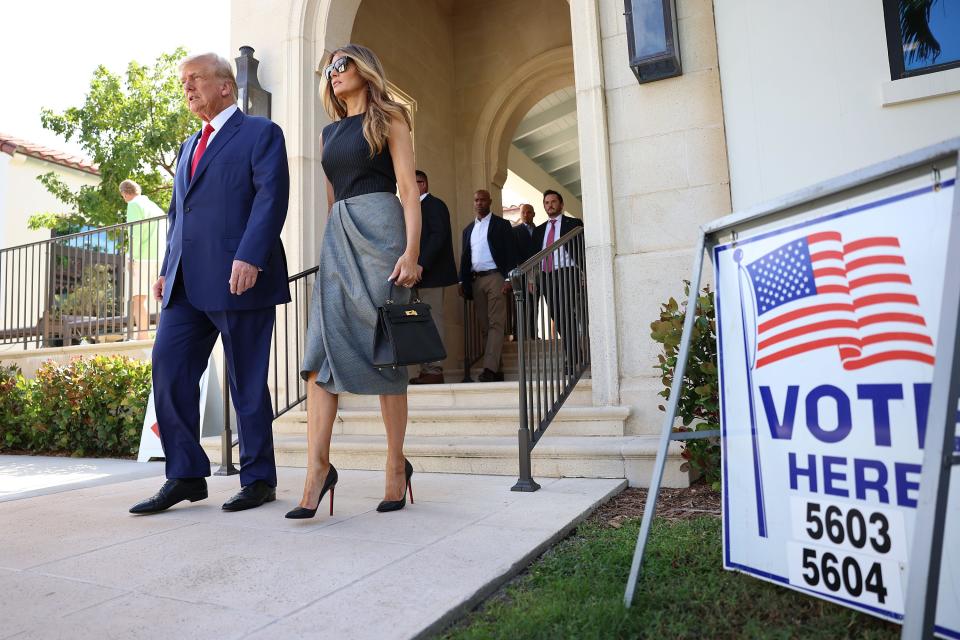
{"x":919,"y":42}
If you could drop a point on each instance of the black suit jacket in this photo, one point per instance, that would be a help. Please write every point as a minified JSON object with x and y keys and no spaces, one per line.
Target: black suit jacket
{"x":436,"y":244}
{"x":503,"y":248}
{"x":525,"y":247}
{"x":567,"y":224}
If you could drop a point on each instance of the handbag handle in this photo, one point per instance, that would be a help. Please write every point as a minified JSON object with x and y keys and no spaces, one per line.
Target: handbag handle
{"x":415,"y":292}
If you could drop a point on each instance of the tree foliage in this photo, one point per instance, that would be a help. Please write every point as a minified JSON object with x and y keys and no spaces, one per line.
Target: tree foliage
{"x":131,"y":127}
{"x":919,"y":43}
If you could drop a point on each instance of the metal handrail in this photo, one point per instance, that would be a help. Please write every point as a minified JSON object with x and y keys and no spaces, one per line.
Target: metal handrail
{"x":286,"y":387}
{"x":552,"y":361}
{"x":81,"y":286}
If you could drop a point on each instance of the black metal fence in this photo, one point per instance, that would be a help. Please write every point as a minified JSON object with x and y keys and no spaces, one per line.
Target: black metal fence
{"x":92,"y":286}
{"x":95,"y":286}
{"x":553,"y":338}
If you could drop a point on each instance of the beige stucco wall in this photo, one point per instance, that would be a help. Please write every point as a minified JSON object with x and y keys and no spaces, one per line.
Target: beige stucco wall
{"x":493,"y":40}
{"x":398,"y":31}
{"x":22,"y":195}
{"x":451,"y":58}
{"x":798,"y":112}
{"x":668,"y":175}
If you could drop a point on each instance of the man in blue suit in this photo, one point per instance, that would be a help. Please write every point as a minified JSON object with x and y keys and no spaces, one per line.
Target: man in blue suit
{"x":223,"y":274}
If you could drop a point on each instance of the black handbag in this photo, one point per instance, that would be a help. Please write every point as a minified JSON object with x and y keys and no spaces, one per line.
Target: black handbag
{"x":406,"y":334}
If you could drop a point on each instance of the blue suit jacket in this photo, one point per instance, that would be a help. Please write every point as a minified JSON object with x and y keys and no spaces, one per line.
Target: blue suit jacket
{"x":233,"y":208}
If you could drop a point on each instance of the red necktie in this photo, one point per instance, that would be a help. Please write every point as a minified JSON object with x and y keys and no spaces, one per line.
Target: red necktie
{"x":550,"y":238}
{"x":207,"y":130}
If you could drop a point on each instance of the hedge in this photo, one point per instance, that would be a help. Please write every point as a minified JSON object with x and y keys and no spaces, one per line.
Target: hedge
{"x":89,"y":407}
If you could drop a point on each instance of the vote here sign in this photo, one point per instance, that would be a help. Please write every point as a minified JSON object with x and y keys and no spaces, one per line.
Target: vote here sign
{"x":826,"y":333}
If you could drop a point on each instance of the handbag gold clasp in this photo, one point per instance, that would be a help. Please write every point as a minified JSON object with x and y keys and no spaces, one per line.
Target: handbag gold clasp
{"x":410,"y":312}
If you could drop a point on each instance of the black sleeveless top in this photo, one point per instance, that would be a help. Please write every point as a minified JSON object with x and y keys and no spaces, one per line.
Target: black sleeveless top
{"x":346,"y":161}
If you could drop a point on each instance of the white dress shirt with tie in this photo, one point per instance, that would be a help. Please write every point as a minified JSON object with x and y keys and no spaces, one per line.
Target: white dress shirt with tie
{"x":560,"y":257}
{"x":479,"y":247}
{"x":217,"y":123}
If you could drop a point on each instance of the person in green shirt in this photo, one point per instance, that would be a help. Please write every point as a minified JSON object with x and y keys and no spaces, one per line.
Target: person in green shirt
{"x":143,"y":254}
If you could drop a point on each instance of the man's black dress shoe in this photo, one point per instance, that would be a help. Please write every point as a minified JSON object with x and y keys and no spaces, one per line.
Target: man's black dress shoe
{"x":172,"y":492}
{"x":252,"y":495}
{"x":490,"y":376}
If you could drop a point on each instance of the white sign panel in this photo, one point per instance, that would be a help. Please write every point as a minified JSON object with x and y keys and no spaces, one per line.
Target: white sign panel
{"x":825,"y":331}
{"x":211,"y":416}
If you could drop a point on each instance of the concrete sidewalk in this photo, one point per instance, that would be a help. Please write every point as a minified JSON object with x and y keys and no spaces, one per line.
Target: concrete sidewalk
{"x":27,"y":476}
{"x":74,"y":564}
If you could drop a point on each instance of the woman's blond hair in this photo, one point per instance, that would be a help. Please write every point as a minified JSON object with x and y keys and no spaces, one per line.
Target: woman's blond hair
{"x":381,"y":107}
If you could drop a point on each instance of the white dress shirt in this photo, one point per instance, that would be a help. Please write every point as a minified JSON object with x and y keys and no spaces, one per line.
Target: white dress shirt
{"x":560,"y":257}
{"x":217,"y":123}
{"x":479,"y":247}
{"x":424,"y":195}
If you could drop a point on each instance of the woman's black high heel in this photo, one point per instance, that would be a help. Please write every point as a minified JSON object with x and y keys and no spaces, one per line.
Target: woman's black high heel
{"x":396,"y":505}
{"x":329,"y":483}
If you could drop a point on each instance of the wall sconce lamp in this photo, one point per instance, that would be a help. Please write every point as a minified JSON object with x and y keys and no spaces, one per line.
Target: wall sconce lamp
{"x":652,"y":39}
{"x":253,"y":99}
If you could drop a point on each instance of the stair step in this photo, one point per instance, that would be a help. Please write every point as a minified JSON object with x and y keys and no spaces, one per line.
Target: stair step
{"x":464,"y":395}
{"x":466,"y":421}
{"x":630,"y":457}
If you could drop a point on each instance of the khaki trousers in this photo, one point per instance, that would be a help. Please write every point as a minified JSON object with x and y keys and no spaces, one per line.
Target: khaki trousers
{"x":492,"y":316}
{"x":434,"y":296}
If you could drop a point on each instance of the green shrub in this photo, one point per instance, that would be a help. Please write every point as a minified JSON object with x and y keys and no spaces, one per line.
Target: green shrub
{"x":699,"y":406}
{"x":13,"y":402}
{"x":89,"y":407}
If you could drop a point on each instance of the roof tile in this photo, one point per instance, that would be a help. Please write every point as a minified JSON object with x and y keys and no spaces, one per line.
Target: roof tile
{"x":11,"y":145}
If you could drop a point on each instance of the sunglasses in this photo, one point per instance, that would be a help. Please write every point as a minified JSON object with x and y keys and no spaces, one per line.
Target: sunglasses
{"x":339,"y":65}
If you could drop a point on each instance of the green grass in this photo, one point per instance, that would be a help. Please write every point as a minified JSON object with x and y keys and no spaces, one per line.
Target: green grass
{"x":576,"y":591}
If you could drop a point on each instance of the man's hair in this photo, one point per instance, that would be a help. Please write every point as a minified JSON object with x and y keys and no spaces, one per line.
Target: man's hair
{"x":421,"y":174}
{"x":130,"y":187}
{"x":221,"y":68}
{"x":551,"y":192}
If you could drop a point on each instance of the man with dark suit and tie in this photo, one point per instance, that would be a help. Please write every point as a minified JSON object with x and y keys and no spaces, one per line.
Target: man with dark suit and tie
{"x":560,"y":274}
{"x":223,"y":273}
{"x":525,"y":248}
{"x":489,"y":254}
{"x":439,"y":267}
{"x":524,"y":232}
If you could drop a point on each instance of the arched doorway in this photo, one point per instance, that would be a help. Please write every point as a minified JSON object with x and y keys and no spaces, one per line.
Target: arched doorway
{"x":489,"y":63}
{"x":545,"y":154}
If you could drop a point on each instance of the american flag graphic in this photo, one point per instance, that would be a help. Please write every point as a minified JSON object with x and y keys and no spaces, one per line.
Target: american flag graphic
{"x":820,"y":292}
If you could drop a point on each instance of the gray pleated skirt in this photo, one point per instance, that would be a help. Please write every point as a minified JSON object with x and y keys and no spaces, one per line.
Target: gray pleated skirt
{"x":364,"y":237}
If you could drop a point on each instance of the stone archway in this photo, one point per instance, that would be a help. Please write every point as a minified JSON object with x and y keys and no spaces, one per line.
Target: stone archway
{"x":314,"y":26}
{"x":506,"y":107}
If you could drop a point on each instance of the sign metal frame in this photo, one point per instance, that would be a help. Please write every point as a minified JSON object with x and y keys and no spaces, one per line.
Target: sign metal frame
{"x":938,"y":455}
